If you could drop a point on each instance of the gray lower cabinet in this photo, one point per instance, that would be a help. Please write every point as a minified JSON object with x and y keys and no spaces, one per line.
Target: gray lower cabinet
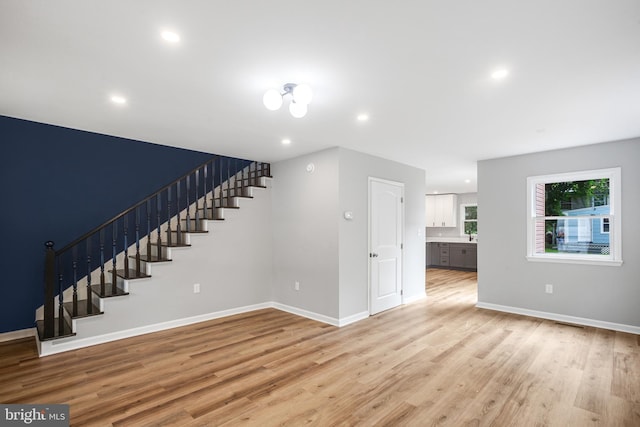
{"x":463,"y":255}
{"x":453,"y":255}
{"x":437,"y":254}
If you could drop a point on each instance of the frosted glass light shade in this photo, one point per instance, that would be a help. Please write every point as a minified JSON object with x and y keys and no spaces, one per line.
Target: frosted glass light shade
{"x":272,"y":100}
{"x":302,"y":94}
{"x":298,"y":110}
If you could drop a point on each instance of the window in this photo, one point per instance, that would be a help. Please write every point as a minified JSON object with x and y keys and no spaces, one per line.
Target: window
{"x":575,"y":217}
{"x":469,"y":219}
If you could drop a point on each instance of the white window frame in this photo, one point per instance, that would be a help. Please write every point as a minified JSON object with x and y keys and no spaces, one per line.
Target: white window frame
{"x":462,"y":217}
{"x":615,"y":222}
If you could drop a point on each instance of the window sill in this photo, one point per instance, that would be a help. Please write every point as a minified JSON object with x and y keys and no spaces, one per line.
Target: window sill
{"x":574,"y":260}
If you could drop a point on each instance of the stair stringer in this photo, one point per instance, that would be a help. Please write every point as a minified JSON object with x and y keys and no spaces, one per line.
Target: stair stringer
{"x":232,"y":263}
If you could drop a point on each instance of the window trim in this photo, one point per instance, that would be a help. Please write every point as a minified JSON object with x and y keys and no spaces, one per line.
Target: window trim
{"x":615,"y":220}
{"x":462,"y":217}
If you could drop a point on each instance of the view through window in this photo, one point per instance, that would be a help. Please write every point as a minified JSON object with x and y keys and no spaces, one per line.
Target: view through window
{"x":470,"y":219}
{"x":573,"y":216}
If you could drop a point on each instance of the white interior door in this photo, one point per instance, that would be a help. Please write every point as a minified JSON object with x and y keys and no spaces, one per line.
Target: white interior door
{"x":385,"y":244}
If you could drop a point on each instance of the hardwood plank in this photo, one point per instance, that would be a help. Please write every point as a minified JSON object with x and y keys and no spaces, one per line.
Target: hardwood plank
{"x":624,"y":383}
{"x":596,"y":379}
{"x":440,"y":361}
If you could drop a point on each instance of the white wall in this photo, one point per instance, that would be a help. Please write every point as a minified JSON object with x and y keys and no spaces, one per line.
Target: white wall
{"x":505,"y":277}
{"x":315,"y":245}
{"x":355,"y":170}
{"x":305,"y":232}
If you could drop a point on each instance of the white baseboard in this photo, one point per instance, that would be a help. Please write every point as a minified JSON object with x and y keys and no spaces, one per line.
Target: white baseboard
{"x":305,"y":313}
{"x":344,"y":321}
{"x":414,"y":298}
{"x":46,"y":348}
{"x":561,"y":318}
{"x":58,"y":346}
{"x":16,"y":335}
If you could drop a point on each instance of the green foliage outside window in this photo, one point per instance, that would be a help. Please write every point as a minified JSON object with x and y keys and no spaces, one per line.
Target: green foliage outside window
{"x":569,"y":195}
{"x":470,"y":220}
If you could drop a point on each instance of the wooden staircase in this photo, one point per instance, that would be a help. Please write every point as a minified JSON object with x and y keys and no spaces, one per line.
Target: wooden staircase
{"x":76,"y":286}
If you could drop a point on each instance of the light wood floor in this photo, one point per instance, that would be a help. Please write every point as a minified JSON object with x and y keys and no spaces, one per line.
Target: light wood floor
{"x":436,"y":362}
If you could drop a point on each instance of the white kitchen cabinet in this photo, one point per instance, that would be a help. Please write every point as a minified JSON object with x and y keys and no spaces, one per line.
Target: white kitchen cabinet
{"x":442,"y":210}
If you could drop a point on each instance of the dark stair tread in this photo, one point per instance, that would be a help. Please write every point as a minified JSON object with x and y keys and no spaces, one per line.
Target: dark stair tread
{"x":132,"y":274}
{"x":66,"y":330}
{"x":221,"y":207}
{"x":207,"y":217}
{"x":227,"y":207}
{"x":152,"y":258}
{"x":82,"y":309}
{"x":212,"y":218}
{"x":108,"y":291}
{"x":172,"y":245}
{"x":192,"y":231}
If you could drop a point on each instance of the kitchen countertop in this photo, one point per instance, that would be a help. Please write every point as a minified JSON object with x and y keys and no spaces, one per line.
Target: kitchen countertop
{"x":451,"y":240}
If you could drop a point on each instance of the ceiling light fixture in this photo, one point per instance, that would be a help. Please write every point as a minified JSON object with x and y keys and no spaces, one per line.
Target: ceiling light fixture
{"x":301,"y":96}
{"x":500,"y":74}
{"x":170,"y":36}
{"x":117,"y":99}
{"x":362,"y":117}
{"x":286,"y":141}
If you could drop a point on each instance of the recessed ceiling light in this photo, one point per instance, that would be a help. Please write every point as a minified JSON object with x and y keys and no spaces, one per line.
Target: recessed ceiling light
{"x":362,"y":117}
{"x":117,"y":99}
{"x":436,"y":192}
{"x":286,"y":141}
{"x":500,"y":74}
{"x":170,"y":36}
{"x":467,"y":181}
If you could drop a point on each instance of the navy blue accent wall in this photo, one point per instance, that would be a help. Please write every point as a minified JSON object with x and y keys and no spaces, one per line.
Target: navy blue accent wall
{"x":58,"y":183}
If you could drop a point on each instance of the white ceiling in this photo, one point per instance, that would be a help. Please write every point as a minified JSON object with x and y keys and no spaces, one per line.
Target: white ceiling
{"x":421,"y":70}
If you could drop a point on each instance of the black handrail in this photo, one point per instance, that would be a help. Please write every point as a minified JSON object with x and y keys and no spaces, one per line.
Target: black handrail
{"x":132,"y":208}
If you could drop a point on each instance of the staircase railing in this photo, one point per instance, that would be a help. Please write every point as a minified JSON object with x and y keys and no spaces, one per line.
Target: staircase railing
{"x":197,"y":195}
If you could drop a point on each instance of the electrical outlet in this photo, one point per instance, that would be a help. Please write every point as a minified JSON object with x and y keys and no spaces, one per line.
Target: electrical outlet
{"x":296,"y":286}
{"x":196,"y":288}
{"x":548,"y":288}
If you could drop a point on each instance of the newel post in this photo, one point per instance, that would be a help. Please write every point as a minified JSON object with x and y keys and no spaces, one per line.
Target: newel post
{"x":49,"y":289}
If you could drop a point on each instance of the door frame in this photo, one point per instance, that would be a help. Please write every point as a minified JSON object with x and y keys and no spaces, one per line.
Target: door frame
{"x":402,"y":228}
